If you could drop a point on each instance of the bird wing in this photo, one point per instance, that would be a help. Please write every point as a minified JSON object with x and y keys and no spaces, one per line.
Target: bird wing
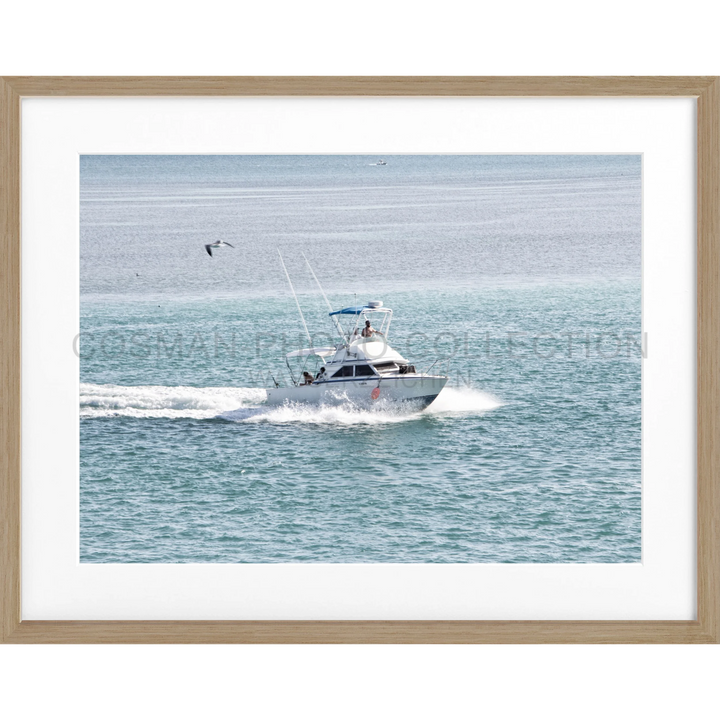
{"x":229,"y":245}
{"x":209,"y":251}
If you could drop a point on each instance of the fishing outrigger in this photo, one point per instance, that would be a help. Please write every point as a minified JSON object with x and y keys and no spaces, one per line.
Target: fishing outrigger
{"x":361,"y":368}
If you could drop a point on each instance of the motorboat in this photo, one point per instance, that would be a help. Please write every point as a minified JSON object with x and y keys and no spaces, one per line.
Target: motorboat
{"x":361,"y":368}
{"x":381,"y":162}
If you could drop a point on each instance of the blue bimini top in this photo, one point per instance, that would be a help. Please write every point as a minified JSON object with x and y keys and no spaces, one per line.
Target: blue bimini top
{"x":352,"y":310}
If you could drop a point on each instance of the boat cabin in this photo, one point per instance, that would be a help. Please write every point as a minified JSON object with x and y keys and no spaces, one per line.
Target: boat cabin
{"x":364,"y":353}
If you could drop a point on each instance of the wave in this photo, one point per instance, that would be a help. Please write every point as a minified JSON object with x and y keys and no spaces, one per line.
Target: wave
{"x":245,"y":405}
{"x":347,"y":413}
{"x":450,"y":401}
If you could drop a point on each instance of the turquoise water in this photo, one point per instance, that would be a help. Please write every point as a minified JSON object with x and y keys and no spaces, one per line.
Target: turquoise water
{"x":524,"y":270}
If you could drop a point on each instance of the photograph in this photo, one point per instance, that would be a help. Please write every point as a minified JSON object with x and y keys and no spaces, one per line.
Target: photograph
{"x":360,"y":363}
{"x":396,"y":358}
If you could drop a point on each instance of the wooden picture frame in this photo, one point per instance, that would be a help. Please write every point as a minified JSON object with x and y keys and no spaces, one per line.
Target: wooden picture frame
{"x":705,"y":629}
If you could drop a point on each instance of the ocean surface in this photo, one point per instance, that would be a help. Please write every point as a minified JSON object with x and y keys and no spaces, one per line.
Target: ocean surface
{"x":523,"y":272}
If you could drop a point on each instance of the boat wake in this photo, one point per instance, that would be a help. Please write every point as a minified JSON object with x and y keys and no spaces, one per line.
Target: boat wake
{"x":156,"y":401}
{"x":463,"y":400}
{"x":246,"y":405}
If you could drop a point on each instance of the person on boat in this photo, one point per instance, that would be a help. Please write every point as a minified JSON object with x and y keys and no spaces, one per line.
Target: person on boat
{"x":320,"y":373}
{"x":308,"y":378}
{"x":368,"y":331}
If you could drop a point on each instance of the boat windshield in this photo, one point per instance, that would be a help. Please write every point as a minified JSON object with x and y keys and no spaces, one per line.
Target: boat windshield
{"x":386,"y":367}
{"x":360,"y":371}
{"x":345,"y":371}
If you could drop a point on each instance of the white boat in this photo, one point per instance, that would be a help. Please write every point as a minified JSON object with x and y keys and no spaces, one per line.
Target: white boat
{"x":381,"y":162}
{"x":361,"y":369}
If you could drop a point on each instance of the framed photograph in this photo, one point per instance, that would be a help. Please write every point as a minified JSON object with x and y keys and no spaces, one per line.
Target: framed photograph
{"x":362,"y":360}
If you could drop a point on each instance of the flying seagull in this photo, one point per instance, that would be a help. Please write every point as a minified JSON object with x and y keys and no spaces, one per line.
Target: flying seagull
{"x":217,"y":244}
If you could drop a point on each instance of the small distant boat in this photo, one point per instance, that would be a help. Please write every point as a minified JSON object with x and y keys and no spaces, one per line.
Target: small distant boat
{"x":362,"y":368}
{"x":381,"y":162}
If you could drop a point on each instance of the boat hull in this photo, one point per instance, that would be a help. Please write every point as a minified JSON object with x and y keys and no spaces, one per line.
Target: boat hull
{"x":418,"y":391}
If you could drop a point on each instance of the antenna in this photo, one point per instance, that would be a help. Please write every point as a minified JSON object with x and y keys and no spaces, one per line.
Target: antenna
{"x":327,"y":302}
{"x":357,"y":317}
{"x":307,"y":332}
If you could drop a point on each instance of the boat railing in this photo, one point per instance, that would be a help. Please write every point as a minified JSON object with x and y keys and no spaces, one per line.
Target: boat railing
{"x":442,"y":364}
